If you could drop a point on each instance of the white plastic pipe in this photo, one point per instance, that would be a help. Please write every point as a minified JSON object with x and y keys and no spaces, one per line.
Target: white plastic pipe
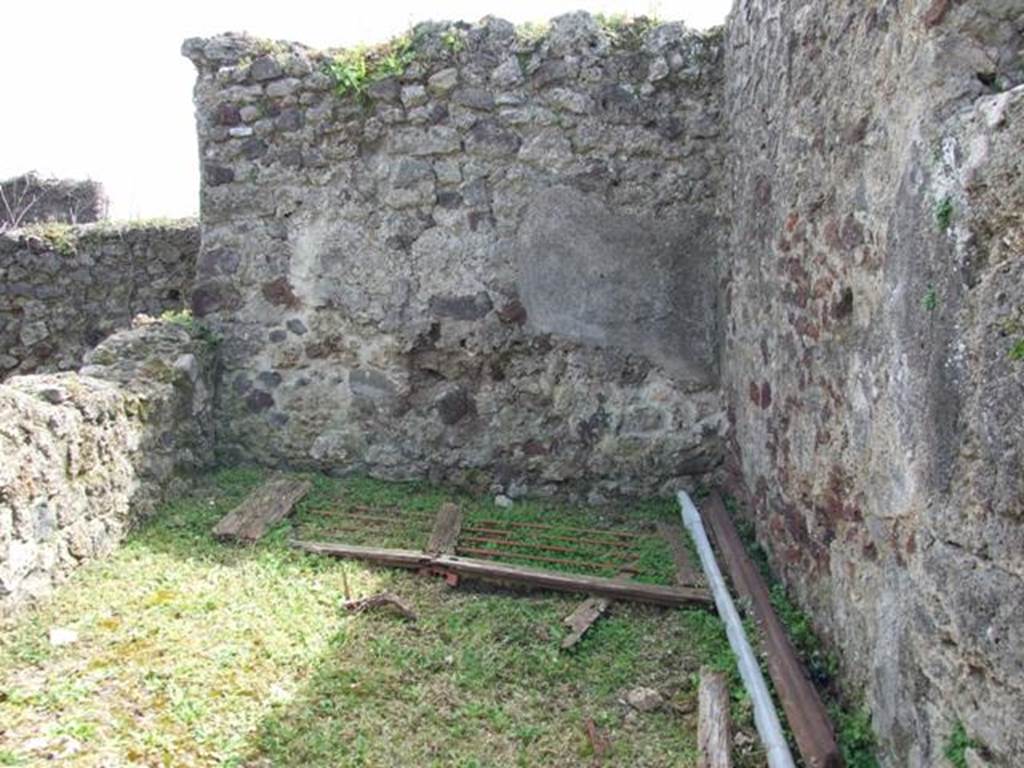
{"x":765,"y":717}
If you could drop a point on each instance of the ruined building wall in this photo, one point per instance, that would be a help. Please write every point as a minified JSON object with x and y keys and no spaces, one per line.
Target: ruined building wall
{"x":495,"y":267}
{"x":874,"y":295}
{"x":63,"y":289}
{"x":88,"y":454}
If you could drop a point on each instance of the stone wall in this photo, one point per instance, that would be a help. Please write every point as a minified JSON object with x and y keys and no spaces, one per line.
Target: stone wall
{"x":495,"y":266}
{"x":87,"y":454}
{"x":30,"y":198}
{"x":874,"y":290}
{"x":63,"y":289}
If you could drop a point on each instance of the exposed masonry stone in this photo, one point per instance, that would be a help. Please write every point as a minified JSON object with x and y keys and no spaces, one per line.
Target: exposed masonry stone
{"x":476,"y":273}
{"x":61,"y":293}
{"x":550,"y":266}
{"x":86,"y":455}
{"x":867,"y":350}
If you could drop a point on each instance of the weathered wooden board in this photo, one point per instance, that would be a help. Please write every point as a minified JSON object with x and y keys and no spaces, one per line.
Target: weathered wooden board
{"x":270,"y":503}
{"x":714,"y":732}
{"x":587,"y":613}
{"x":446,"y":530}
{"x":583,"y":618}
{"x":804,"y":709}
{"x":686,"y":574}
{"x":515,"y":574}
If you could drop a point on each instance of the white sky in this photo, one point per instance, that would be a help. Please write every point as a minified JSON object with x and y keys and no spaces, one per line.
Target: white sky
{"x":100,"y":90}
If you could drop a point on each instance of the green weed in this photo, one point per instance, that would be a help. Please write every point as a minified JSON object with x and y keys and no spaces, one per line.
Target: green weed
{"x":354,"y":70}
{"x":944,"y":213}
{"x":957,"y":745}
{"x":60,"y":237}
{"x":1017,"y":350}
{"x":453,"y":40}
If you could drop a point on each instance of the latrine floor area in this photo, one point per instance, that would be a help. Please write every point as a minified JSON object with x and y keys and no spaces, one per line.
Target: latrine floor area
{"x":180,"y":650}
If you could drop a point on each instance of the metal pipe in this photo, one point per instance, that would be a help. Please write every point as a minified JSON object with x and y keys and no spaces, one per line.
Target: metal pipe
{"x":765,"y":717}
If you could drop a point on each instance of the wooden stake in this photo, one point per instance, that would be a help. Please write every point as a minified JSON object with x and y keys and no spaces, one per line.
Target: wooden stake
{"x":344,"y":583}
{"x":446,"y":530}
{"x":714,"y":731}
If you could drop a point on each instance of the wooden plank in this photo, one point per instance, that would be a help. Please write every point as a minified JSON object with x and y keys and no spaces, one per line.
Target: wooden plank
{"x":804,"y":709}
{"x":583,"y":618}
{"x":686,"y":573}
{"x":269,"y":504}
{"x":589,"y":611}
{"x":714,"y":732}
{"x":446,"y":530}
{"x":514,"y":574}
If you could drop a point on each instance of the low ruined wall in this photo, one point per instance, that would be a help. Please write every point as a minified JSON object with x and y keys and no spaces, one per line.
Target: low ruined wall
{"x":85,"y":455}
{"x":63,"y":289}
{"x":494,"y":266}
{"x":874,"y":351}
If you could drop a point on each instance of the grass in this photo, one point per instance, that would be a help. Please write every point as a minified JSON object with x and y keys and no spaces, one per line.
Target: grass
{"x":944,"y":213}
{"x":955,"y":749}
{"x":192,"y":653}
{"x":1017,"y":350}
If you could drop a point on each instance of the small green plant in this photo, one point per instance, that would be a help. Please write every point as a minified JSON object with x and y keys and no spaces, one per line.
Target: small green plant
{"x":944,"y":213}
{"x":60,"y":237}
{"x":612,"y":23}
{"x":183,"y":318}
{"x":624,"y":30}
{"x":179,"y":317}
{"x":957,"y":745}
{"x":531,"y":32}
{"x":353,"y":70}
{"x":931,"y":299}
{"x":856,"y":739}
{"x":453,"y":40}
{"x":9,"y":758}
{"x":1017,"y":350}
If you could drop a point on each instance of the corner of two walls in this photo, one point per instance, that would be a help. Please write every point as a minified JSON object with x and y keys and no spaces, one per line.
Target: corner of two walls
{"x":88,"y":454}
{"x":474,"y":270}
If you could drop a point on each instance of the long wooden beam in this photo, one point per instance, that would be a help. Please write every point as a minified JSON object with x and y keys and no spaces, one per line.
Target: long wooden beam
{"x":515,"y":574}
{"x":804,"y":709}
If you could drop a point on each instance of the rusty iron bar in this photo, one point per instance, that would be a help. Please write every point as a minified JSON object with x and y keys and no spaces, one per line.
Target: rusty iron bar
{"x":808,"y":718}
{"x":541,"y":547}
{"x":552,"y":537}
{"x":347,"y":529}
{"x":546,"y":527}
{"x":498,"y":553}
{"x":398,"y":510}
{"x":375,"y":519}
